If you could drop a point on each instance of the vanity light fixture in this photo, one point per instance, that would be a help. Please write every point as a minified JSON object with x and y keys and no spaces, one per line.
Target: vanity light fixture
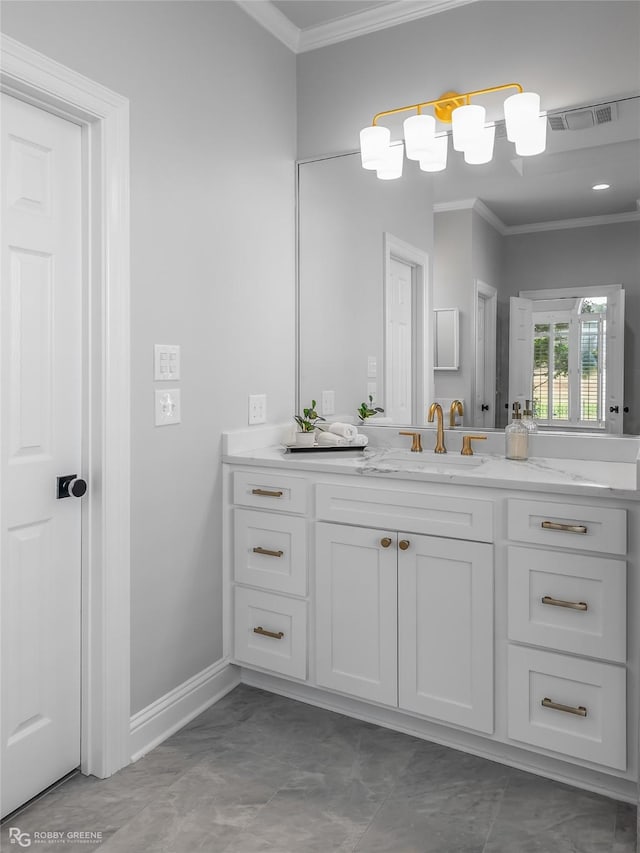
{"x":526,"y":126}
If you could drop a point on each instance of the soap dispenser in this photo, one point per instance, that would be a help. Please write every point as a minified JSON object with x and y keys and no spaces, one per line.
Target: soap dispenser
{"x":527,"y":417}
{"x":516,"y":436}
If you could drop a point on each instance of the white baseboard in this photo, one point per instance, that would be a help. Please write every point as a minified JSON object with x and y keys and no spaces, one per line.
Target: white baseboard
{"x":531,"y":762}
{"x":161,"y":719}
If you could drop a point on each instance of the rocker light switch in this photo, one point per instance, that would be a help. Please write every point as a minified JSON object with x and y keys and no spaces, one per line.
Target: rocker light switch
{"x":166,"y":361}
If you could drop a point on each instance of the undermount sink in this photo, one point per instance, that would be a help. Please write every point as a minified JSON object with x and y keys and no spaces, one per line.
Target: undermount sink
{"x":407,"y":459}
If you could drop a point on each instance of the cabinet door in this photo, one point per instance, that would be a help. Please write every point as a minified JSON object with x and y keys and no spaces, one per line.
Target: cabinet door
{"x":445,"y":630}
{"x":356,"y":611}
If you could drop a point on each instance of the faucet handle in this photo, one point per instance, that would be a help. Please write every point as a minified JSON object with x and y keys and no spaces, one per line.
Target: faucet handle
{"x":467,"y":450}
{"x":416,"y":444}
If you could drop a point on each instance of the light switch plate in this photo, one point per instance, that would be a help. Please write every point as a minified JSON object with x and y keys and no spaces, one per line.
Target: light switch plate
{"x":372,"y":367}
{"x":168,"y":407}
{"x":166,"y":362}
{"x":257,"y":409}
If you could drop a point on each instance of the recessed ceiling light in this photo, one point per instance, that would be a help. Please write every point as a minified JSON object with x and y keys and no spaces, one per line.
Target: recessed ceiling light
{"x":601,"y":186}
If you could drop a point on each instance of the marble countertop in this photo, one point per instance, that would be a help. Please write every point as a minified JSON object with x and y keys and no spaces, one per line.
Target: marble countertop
{"x":566,"y":476}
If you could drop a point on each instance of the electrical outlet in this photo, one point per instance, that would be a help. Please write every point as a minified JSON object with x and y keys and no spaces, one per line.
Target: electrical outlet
{"x":372,"y":391}
{"x":257,"y":408}
{"x":328,"y":402}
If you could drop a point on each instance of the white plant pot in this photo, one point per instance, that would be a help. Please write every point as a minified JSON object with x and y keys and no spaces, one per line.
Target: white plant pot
{"x":305,"y":439}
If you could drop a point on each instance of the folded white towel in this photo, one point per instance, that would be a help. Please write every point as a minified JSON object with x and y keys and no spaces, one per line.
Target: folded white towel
{"x":348,"y":431}
{"x":329,"y":439}
{"x":360,"y":440}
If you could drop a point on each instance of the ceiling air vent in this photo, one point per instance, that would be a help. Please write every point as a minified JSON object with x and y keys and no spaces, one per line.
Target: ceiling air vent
{"x":583,"y":118}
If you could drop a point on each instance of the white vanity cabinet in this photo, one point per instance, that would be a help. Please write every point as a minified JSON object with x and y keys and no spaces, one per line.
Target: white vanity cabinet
{"x":270,"y":572}
{"x":493,"y":619}
{"x":404,"y":612}
{"x":569,"y":598}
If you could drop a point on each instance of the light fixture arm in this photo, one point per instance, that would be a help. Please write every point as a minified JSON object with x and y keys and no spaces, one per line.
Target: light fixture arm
{"x":447,"y":103}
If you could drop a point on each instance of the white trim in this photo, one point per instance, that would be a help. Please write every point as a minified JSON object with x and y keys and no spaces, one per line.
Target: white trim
{"x":341,"y":29}
{"x":274,"y":21}
{"x":104,"y":118}
{"x":158,"y":721}
{"x":556,"y":225}
{"x":511,"y":754}
{"x":372,"y":20}
{"x":482,"y":290}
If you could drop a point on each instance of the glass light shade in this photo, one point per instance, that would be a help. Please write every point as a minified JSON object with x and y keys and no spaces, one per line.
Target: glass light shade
{"x":436,"y":158}
{"x":481,"y":149}
{"x":374,"y":145}
{"x":419,"y":133}
{"x":468,"y":124}
{"x":532,"y":139}
{"x":520,"y":111}
{"x":391,"y":167}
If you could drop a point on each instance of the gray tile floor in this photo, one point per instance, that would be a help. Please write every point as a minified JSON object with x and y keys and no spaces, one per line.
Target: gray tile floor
{"x":258,"y":772}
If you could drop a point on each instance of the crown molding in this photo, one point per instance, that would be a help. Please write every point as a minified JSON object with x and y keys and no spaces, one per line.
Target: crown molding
{"x":351,"y":26}
{"x":272,"y":19}
{"x":372,"y":20}
{"x":530,"y":228}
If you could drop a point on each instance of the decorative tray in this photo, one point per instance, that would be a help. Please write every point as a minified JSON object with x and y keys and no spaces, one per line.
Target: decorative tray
{"x":321,"y":448}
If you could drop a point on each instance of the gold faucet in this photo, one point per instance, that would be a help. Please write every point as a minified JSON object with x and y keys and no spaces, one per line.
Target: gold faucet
{"x":416,"y":444}
{"x":467,"y":450}
{"x":456,"y":406}
{"x":437,"y":409}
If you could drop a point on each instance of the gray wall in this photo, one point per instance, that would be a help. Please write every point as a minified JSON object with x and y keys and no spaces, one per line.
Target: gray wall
{"x":583,"y":257}
{"x":212,"y":252}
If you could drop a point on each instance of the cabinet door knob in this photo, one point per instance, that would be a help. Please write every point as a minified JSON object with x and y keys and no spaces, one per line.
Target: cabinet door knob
{"x":386,"y":541}
{"x":403,"y":544}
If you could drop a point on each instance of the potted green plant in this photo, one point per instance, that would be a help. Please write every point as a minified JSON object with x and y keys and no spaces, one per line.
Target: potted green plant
{"x":307,"y":424}
{"x":368,"y":410}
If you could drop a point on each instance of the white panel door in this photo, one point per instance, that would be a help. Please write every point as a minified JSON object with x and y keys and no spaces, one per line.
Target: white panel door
{"x":445,"y":630}
{"x":40,"y":438}
{"x":356,"y":611}
{"x":520,"y":350}
{"x":399,"y":343}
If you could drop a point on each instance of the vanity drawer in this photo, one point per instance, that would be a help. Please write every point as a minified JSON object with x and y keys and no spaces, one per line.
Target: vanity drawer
{"x":270,"y":551}
{"x":413,"y":512}
{"x":570,"y":602}
{"x":271,"y":632}
{"x":591,"y":722}
{"x":581,"y":528}
{"x":286,"y":494}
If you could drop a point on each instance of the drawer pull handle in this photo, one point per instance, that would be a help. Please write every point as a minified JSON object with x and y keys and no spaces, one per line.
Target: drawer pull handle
{"x":267,"y":552}
{"x":403,"y":544}
{"x":558,"y":602}
{"x":266,"y":493}
{"x":580,"y":711}
{"x":568,"y":528}
{"x":276,"y":635}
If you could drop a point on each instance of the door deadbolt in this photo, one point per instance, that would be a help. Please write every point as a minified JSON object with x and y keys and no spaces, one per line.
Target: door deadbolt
{"x":71,"y":486}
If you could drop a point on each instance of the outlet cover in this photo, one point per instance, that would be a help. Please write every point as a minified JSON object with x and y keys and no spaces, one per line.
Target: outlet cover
{"x":372,"y":391}
{"x":328,"y":403}
{"x":168,"y":407}
{"x":257,"y":409}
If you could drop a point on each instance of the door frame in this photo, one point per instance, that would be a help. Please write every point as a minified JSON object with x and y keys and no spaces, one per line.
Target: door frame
{"x":104,"y":119}
{"x":489,"y":294}
{"x":422,"y":383}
